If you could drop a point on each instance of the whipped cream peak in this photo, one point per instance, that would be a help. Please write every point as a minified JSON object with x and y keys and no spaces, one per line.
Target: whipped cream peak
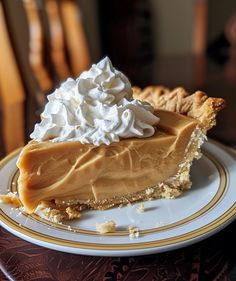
{"x":95,"y":108}
{"x":105,"y":83}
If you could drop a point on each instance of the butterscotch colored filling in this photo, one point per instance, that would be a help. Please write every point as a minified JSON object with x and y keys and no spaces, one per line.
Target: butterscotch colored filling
{"x":75,"y":172}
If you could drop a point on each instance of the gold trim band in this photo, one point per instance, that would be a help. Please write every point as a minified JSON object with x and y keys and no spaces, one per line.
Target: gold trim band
{"x":219,"y":223}
{"x":217,"y":197}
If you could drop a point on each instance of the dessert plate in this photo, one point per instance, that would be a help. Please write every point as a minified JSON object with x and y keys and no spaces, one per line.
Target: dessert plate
{"x":164,"y":225}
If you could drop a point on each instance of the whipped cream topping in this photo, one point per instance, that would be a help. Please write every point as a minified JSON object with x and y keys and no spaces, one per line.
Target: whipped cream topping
{"x":95,"y":108}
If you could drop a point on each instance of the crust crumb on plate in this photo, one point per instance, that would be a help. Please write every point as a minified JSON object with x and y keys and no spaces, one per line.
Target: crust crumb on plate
{"x":133,"y":232}
{"x":140,"y":208}
{"x":105,"y":227}
{"x":10,"y":198}
{"x":73,"y":213}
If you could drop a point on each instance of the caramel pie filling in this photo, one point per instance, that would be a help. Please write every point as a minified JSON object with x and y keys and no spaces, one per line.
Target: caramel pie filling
{"x":101,"y":176}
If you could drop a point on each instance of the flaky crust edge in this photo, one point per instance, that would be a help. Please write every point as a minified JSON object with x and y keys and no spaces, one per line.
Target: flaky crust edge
{"x":197,"y":105}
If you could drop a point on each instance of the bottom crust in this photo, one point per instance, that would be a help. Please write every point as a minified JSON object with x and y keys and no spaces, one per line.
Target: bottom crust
{"x":170,"y":189}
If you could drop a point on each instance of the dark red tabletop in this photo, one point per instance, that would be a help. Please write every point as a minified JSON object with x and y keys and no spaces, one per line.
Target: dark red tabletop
{"x":211,"y":259}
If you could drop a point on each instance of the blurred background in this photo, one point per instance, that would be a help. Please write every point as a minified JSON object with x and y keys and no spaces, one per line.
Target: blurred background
{"x":189,"y":43}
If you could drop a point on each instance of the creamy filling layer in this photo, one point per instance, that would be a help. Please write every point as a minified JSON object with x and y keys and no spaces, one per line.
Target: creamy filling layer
{"x":71,"y":171}
{"x":173,"y":187}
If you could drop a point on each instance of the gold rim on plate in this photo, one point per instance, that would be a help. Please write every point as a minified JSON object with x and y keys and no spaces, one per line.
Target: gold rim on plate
{"x":218,"y":223}
{"x":13,"y":187}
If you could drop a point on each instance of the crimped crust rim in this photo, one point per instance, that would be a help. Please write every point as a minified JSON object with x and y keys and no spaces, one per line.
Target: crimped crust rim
{"x":197,"y":105}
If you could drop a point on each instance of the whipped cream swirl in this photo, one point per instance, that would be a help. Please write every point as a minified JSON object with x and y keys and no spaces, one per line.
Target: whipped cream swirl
{"x":95,"y":108}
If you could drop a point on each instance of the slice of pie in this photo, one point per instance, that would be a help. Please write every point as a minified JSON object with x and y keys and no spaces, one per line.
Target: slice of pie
{"x":58,"y":179}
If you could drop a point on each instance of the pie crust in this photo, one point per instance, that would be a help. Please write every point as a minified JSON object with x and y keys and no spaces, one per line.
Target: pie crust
{"x":197,"y":105}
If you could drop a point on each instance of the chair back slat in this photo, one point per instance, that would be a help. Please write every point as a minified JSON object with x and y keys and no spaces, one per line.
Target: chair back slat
{"x":75,"y":37}
{"x":36,"y":45}
{"x":12,"y":94}
{"x":43,"y":43}
{"x":57,"y":50}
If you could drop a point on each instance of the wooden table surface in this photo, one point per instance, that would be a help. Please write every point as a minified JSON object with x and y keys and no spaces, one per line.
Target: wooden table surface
{"x":212,"y":259}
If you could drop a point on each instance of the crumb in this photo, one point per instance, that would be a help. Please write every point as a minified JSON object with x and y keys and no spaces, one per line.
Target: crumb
{"x":120,"y":206}
{"x":54,"y":215}
{"x":10,"y":198}
{"x":47,"y":210}
{"x":149,"y":191}
{"x":133,"y":232}
{"x":105,"y":227}
{"x":72,"y":213}
{"x":140,"y":208}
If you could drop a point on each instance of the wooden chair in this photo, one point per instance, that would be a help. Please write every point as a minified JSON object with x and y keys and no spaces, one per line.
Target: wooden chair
{"x":42,"y":43}
{"x":199,"y":42}
{"x":11,"y":93}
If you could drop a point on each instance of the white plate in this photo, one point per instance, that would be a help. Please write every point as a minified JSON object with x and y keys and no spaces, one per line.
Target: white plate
{"x":165,"y":224}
